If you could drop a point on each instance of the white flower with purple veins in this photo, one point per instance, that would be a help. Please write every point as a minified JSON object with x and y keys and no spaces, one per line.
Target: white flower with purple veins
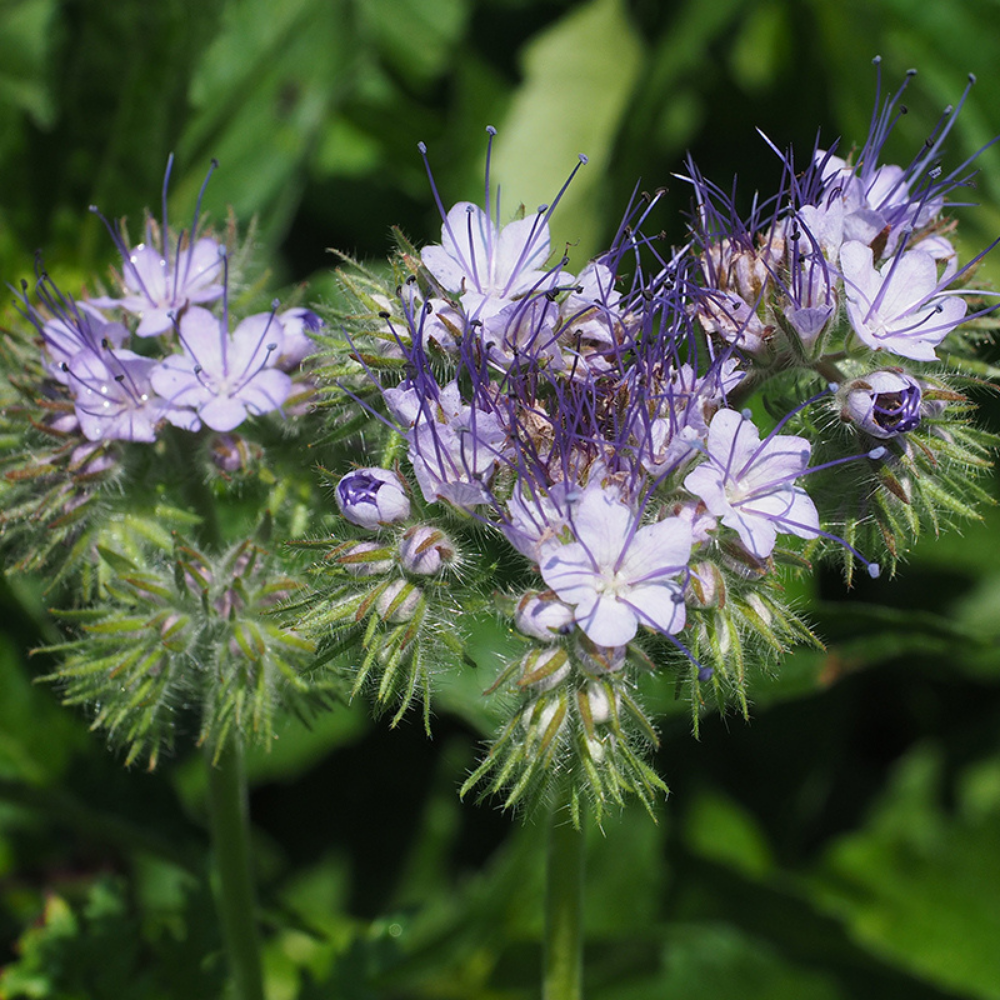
{"x":902,"y":307}
{"x":749,"y":484}
{"x":114,"y":399}
{"x":372,"y":497}
{"x":224,"y":377}
{"x":617,"y":575}
{"x":489,"y":264}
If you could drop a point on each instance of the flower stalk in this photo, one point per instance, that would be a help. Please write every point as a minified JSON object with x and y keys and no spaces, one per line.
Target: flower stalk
{"x":562,"y":977}
{"x":233,"y":876}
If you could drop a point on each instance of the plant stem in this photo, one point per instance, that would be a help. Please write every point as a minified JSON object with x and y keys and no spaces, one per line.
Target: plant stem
{"x":562,"y":978}
{"x":234,"y":888}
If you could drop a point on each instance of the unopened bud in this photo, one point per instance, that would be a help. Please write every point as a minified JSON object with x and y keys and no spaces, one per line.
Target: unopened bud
{"x":601,"y":710}
{"x":706,"y":587}
{"x":398,"y":602}
{"x":365,"y":559}
{"x":543,"y":616}
{"x":540,"y":714}
{"x":230,"y":453}
{"x":424,"y":550}
{"x":544,"y":669}
{"x":599,"y":660}
{"x":372,"y":497}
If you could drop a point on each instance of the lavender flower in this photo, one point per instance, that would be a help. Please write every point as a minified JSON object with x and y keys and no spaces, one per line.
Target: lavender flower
{"x":901,"y":308}
{"x":163,"y":276}
{"x":224,"y":377}
{"x":617,"y":575}
{"x":489,"y":264}
{"x":749,"y":484}
{"x":454,"y":447}
{"x":114,"y":398}
{"x":486,"y":263}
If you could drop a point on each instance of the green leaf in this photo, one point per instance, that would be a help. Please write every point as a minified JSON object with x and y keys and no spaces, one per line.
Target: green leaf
{"x":915,"y":883}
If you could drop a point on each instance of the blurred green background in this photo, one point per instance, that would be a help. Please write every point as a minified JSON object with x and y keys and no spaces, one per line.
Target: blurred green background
{"x":845,"y":844}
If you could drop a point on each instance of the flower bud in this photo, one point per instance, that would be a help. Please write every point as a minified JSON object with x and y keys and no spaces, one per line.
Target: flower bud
{"x":883,"y":404}
{"x":541,"y":713}
{"x":372,"y":497}
{"x":398,"y":601}
{"x":230,"y":453}
{"x":91,"y":459}
{"x":706,"y":587}
{"x":364,"y":559}
{"x":543,"y":616}
{"x":544,"y":669}
{"x":601,"y":710}
{"x":424,"y":550}
{"x":599,"y":660}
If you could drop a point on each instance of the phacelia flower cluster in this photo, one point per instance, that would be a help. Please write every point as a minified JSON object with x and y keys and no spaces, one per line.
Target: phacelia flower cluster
{"x":166,"y":350}
{"x":594,"y":420}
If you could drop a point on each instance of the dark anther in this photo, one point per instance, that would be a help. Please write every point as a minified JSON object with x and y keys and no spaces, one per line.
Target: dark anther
{"x":119,"y":378}
{"x":383,"y":315}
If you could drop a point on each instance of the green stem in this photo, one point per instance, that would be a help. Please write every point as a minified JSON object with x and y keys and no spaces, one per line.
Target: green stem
{"x":562,"y":978}
{"x":234,"y":888}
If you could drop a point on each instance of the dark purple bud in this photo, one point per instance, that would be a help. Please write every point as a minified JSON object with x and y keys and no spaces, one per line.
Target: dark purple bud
{"x":372,"y":497}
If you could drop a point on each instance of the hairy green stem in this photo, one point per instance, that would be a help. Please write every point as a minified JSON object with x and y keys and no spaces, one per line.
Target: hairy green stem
{"x":234,"y":887}
{"x":562,"y":978}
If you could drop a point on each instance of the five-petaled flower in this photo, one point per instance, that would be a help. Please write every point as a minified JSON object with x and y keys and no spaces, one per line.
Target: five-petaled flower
{"x":617,"y":574}
{"x":222,"y":376}
{"x":750,"y":484}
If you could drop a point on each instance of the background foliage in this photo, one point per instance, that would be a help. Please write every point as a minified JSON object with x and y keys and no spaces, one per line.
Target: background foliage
{"x":842,"y":845}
